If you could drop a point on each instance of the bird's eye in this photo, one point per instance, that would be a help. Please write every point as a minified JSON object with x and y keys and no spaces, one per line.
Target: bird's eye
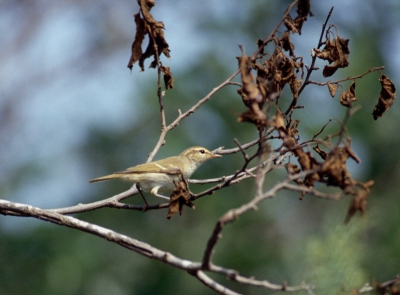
{"x":202,"y":151}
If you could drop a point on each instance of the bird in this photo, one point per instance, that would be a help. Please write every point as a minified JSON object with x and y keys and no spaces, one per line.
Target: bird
{"x":159,"y":177}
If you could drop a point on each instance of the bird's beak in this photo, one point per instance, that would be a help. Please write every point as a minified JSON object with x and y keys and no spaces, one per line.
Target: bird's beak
{"x":214,"y":153}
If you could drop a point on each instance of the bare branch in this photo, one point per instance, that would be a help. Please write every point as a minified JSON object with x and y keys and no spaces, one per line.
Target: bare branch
{"x":206,"y":280}
{"x":348,"y":78}
{"x":312,"y":67}
{"x":381,"y":287}
{"x":194,"y":268}
{"x":271,"y":35}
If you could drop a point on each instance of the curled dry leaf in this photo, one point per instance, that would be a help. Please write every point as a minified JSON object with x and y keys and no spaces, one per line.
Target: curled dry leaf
{"x":286,"y":43}
{"x":278,"y":122}
{"x":303,"y":11}
{"x":260,"y":44}
{"x":386,"y":97}
{"x":250,"y":88}
{"x":251,"y":95}
{"x":294,"y":169}
{"x":332,"y":89}
{"x":293,"y":131}
{"x":349,"y":96}
{"x":334,"y":169}
{"x":145,"y":7}
{"x":168,"y":79}
{"x":290,"y":25}
{"x":320,"y":152}
{"x":254,"y":115}
{"x":359,"y":202}
{"x":337,"y":52}
{"x":137,"y":43}
{"x":180,"y":196}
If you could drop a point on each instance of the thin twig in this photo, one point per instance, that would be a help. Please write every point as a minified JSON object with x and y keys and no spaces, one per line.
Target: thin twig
{"x":271,"y":35}
{"x":322,"y":129}
{"x":348,"y":78}
{"x":160,"y":95}
{"x":312,"y":67}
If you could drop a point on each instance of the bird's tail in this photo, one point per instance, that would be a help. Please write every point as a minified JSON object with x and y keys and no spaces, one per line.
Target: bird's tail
{"x":103,"y":178}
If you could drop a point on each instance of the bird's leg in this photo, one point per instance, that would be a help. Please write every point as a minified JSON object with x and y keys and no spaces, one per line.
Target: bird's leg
{"x":154,"y":191}
{"x":144,"y":199}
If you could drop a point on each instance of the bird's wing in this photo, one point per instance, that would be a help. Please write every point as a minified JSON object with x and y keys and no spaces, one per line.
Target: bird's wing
{"x":171,"y":167}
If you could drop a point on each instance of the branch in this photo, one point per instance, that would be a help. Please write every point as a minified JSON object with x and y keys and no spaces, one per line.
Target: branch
{"x":201,"y":102}
{"x":206,"y":280}
{"x":233,"y":214}
{"x":230,"y":216}
{"x":348,"y":78}
{"x":380,"y":288}
{"x":193,"y":268}
{"x":271,"y":35}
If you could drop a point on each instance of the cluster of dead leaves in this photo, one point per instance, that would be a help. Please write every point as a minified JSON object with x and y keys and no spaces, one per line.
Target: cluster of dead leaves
{"x":386,"y":97}
{"x":332,"y":170}
{"x":147,"y":25}
{"x":273,"y":74}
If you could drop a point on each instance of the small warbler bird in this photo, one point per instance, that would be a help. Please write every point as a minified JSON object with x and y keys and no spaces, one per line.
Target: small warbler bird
{"x":159,"y":176}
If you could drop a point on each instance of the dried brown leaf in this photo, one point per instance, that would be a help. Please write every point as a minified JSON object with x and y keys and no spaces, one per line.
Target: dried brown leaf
{"x":145,"y":7}
{"x":278,"y":121}
{"x":359,"y":202}
{"x":137,"y":43}
{"x":245,"y":98}
{"x":336,"y":51}
{"x":335,"y":169}
{"x":251,"y":94}
{"x":320,"y":152}
{"x":342,"y":53}
{"x":295,"y":85}
{"x":180,"y":196}
{"x":149,"y":52}
{"x":349,"y":96}
{"x":292,"y":168}
{"x":255,"y":116}
{"x":260,"y":43}
{"x":162,"y":44}
{"x":290,"y":25}
{"x":292,"y":131}
{"x":286,"y":43}
{"x":168,"y":79}
{"x":332,"y":89}
{"x":303,"y":10}
{"x":250,"y":88}
{"x":386,"y":97}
